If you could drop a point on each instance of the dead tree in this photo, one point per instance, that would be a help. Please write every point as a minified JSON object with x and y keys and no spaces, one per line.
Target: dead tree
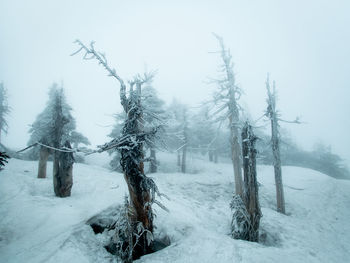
{"x":130,"y":145}
{"x":246,"y":211}
{"x":251,"y":196}
{"x":226,"y":100}
{"x":271,"y":113}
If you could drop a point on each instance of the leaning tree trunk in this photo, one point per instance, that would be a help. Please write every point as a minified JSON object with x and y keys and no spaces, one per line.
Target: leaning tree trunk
{"x":43,"y":157}
{"x":153,"y":162}
{"x":251,"y":197}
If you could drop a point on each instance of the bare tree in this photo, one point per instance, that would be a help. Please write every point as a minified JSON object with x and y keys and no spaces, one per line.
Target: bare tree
{"x":226,"y":101}
{"x":130,"y":144}
{"x":272,"y":114}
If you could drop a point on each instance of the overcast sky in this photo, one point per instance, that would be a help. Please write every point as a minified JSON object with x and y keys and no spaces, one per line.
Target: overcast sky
{"x":305,"y":45}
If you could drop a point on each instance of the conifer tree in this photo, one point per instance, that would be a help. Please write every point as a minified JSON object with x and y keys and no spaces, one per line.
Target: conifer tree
{"x":42,"y":130}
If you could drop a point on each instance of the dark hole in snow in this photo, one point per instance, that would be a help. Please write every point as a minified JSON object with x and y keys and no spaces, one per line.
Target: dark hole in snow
{"x":106,"y":220}
{"x":97,"y":228}
{"x":158,"y":244}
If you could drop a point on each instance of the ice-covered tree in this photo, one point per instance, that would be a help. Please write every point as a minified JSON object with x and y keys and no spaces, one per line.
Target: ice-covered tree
{"x":246,"y":209}
{"x":131,"y":144}
{"x":42,"y":129}
{"x":63,"y":159}
{"x":154,"y":115}
{"x":227,"y":108}
{"x":4,"y":109}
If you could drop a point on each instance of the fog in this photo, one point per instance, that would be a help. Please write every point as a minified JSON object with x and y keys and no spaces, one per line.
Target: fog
{"x":304,"y":45}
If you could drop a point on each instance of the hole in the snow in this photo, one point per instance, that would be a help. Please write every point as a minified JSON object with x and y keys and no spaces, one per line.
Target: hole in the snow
{"x":158,"y":244}
{"x":97,"y":228}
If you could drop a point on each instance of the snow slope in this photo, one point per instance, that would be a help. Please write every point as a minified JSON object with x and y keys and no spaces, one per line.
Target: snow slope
{"x":35,"y":226}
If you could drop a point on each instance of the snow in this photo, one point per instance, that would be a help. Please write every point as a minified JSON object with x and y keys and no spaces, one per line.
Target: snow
{"x":36,"y":226}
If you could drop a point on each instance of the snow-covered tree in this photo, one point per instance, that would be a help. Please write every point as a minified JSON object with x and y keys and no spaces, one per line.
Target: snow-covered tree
{"x":246,"y":209}
{"x":4,"y":109}
{"x":154,"y":115}
{"x":131,"y":144}
{"x":227,"y":108}
{"x":42,"y":129}
{"x":63,"y":160}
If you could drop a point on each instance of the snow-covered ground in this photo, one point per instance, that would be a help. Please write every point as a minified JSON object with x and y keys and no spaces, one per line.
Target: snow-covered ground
{"x":36,"y":226}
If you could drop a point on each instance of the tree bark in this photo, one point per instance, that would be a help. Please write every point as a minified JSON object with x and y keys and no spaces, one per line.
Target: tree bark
{"x":133,"y":167}
{"x":251,"y":196}
{"x":43,"y":157}
{"x":63,"y":172}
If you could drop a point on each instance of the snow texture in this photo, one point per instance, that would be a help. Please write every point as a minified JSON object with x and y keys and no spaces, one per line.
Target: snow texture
{"x":36,"y":226}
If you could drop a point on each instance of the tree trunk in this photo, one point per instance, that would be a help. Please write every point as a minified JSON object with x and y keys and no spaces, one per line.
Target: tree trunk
{"x":138,"y":184}
{"x":61,"y":169}
{"x":43,"y":156}
{"x":178,"y":159}
{"x":210,"y":153}
{"x":251,"y":196}
{"x":63,"y":172}
{"x":236,"y":158}
{"x":183,"y":163}
{"x":277,"y":167}
{"x":153,"y":163}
